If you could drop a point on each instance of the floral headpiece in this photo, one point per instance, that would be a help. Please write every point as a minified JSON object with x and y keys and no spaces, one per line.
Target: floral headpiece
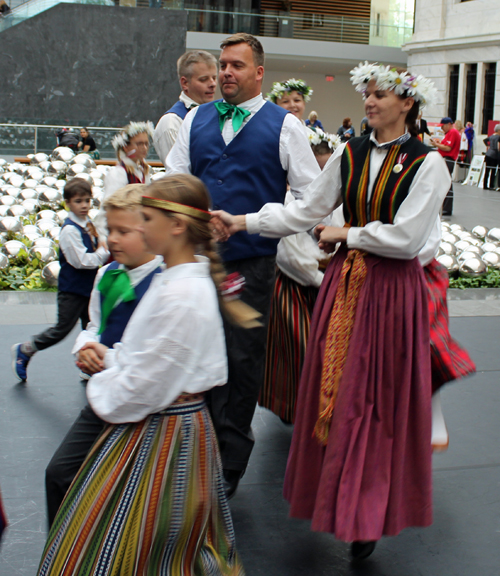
{"x":387,"y":78}
{"x":123,"y":138}
{"x":317,"y":136}
{"x":279,"y":88}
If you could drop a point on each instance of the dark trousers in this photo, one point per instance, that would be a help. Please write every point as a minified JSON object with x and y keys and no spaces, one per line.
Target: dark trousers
{"x":70,"y":308}
{"x":68,"y":458}
{"x":490,"y":172}
{"x":448,"y":201}
{"x":232,"y":406}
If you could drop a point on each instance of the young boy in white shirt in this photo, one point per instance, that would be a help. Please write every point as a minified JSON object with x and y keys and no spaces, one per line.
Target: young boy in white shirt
{"x":117,"y":291}
{"x":80,"y":256}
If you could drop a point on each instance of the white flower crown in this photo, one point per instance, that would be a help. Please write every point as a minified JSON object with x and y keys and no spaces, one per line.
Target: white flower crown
{"x":279,"y":88}
{"x":421,"y":89}
{"x":317,"y":136}
{"x":123,"y":138}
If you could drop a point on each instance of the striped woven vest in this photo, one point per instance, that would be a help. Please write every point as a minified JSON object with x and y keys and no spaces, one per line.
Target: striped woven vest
{"x":391,"y":185}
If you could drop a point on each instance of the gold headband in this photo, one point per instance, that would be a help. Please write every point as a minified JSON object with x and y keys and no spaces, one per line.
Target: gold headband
{"x":177,"y":208}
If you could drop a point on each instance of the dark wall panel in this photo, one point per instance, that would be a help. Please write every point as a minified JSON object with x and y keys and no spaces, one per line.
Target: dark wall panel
{"x":91,"y":64}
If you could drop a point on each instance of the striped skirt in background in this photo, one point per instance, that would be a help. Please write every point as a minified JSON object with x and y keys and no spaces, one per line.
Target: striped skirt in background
{"x":289,"y":324}
{"x":148,"y":501}
{"x":449,"y":360}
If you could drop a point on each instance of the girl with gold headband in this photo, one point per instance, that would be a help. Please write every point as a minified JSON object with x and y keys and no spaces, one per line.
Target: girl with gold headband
{"x":360,"y":461}
{"x":149,"y":498}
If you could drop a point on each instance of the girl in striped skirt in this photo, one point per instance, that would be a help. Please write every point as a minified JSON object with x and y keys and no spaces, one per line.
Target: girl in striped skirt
{"x":149,"y":499}
{"x":298,"y":277}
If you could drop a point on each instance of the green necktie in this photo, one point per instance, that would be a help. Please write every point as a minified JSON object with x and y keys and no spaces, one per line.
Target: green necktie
{"x":226,"y":111}
{"x":114,"y":284}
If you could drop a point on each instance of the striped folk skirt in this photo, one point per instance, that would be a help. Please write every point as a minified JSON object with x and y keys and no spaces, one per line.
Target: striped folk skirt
{"x":289,"y":323}
{"x":449,"y":360}
{"x":148,"y":501}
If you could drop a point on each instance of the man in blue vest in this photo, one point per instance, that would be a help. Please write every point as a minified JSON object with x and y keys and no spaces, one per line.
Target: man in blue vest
{"x":197,"y":72}
{"x":245,"y":150}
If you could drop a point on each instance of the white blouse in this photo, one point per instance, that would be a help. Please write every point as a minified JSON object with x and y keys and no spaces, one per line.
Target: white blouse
{"x":137,"y":275}
{"x":173,"y":343}
{"x":413,"y":223}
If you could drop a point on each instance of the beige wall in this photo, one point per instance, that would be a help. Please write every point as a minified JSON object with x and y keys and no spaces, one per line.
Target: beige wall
{"x":333,"y":101}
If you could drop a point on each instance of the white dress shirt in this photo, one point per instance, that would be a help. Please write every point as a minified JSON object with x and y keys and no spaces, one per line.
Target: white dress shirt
{"x":295,"y":152}
{"x":168,"y":127}
{"x":136,"y":275}
{"x":174,"y":343}
{"x":75,"y":251}
{"x":413,"y":223}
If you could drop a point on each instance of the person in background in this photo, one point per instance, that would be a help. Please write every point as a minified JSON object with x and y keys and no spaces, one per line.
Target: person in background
{"x":131,"y":146}
{"x":469,"y":132}
{"x":346,"y":131}
{"x":197,"y":73}
{"x":87,"y":144}
{"x":298,"y":278}
{"x":80,"y":255}
{"x":312,"y":120}
{"x":67,"y":138}
{"x":448,"y":147}
{"x":365,"y":127}
{"x":464,"y":146}
{"x":422,"y":127}
{"x":492,"y":159}
{"x":4,"y":8}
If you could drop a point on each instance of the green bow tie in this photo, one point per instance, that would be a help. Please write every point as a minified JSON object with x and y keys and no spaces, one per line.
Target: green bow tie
{"x":226,"y":111}
{"x":114,"y":284}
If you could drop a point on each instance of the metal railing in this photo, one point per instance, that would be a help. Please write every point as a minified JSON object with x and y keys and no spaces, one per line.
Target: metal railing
{"x":274,"y":23}
{"x":22,"y":139}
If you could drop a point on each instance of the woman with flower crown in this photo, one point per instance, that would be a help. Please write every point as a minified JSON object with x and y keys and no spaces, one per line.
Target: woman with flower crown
{"x":360,"y":461}
{"x":131,"y":146}
{"x":297,"y":282}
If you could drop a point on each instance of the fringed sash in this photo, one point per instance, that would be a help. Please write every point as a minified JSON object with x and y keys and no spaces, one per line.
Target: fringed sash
{"x":352,"y":278}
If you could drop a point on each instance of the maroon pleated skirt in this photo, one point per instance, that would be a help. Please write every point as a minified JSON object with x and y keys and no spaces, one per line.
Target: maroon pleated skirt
{"x":373,"y":477}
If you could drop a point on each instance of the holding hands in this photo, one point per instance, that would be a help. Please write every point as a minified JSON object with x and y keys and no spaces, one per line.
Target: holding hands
{"x":329,"y":236}
{"x":225,"y":224}
{"x":91,"y":357}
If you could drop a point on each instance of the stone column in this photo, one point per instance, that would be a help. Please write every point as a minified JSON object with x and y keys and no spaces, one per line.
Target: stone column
{"x":461,"y":90}
{"x":496,"y":109}
{"x":478,"y":108}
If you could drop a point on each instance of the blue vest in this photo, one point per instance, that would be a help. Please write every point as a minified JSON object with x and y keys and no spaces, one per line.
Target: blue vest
{"x":242,"y":176}
{"x":76,"y":280}
{"x":121,"y":314}
{"x":179,"y":108}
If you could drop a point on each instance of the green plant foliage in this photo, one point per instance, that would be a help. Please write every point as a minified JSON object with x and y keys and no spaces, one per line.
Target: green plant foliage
{"x":24,"y":274}
{"x":490,"y":280}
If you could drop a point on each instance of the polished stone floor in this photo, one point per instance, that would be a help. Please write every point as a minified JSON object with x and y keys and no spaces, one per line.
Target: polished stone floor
{"x":463,"y":541}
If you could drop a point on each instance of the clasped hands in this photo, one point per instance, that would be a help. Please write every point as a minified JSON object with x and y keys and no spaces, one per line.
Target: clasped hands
{"x":225,"y":225}
{"x":91,"y":357}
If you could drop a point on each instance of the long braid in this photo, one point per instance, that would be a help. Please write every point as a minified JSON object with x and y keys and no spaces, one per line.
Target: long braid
{"x":236,"y":311}
{"x":189,"y":190}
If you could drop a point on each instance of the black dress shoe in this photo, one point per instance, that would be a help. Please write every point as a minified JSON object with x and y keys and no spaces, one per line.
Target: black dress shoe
{"x":361,"y":550}
{"x":231,"y":480}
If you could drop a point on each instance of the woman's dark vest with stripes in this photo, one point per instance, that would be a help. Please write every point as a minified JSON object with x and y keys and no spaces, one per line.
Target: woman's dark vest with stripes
{"x":390,"y":187}
{"x":76,"y":280}
{"x":121,"y":314}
